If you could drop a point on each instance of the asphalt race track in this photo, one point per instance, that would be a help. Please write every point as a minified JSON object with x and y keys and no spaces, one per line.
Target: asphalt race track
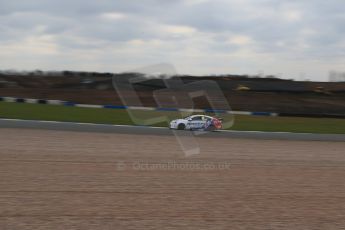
{"x":81,"y":176}
{"x":127,"y":129}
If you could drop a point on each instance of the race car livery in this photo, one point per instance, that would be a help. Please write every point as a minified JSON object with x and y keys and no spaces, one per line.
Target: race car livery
{"x":197,"y":122}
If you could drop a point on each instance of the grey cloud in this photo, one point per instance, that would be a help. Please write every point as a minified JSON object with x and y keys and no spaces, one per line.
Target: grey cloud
{"x":291,"y":28}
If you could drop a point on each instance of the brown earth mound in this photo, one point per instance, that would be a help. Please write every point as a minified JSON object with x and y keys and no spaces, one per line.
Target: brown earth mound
{"x":243,"y":94}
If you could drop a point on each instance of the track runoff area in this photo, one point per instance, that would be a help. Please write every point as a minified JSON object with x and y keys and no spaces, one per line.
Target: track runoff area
{"x":58,"y":175}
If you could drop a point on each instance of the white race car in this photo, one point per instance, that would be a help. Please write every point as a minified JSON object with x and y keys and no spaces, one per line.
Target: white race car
{"x":197,"y":122}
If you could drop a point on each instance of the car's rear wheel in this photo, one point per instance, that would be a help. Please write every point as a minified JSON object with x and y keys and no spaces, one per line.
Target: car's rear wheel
{"x":211,"y":128}
{"x":181,"y":126}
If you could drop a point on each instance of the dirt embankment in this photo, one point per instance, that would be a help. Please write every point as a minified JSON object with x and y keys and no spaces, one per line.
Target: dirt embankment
{"x":244,"y":94}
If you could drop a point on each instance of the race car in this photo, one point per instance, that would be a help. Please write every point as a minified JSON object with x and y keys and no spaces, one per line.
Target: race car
{"x":197,"y":122}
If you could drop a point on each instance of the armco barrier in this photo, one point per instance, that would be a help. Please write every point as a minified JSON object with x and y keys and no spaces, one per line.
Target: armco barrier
{"x":67,"y":103}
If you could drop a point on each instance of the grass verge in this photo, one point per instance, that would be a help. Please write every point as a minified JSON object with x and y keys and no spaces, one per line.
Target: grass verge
{"x":111,"y":116}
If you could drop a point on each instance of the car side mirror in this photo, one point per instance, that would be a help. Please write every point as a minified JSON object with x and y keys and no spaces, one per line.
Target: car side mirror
{"x":190,"y":119}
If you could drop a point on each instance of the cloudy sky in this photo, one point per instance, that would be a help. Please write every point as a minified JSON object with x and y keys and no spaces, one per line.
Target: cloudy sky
{"x":290,"y":38}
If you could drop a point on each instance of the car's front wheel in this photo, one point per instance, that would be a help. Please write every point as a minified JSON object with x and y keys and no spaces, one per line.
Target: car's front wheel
{"x":181,"y":126}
